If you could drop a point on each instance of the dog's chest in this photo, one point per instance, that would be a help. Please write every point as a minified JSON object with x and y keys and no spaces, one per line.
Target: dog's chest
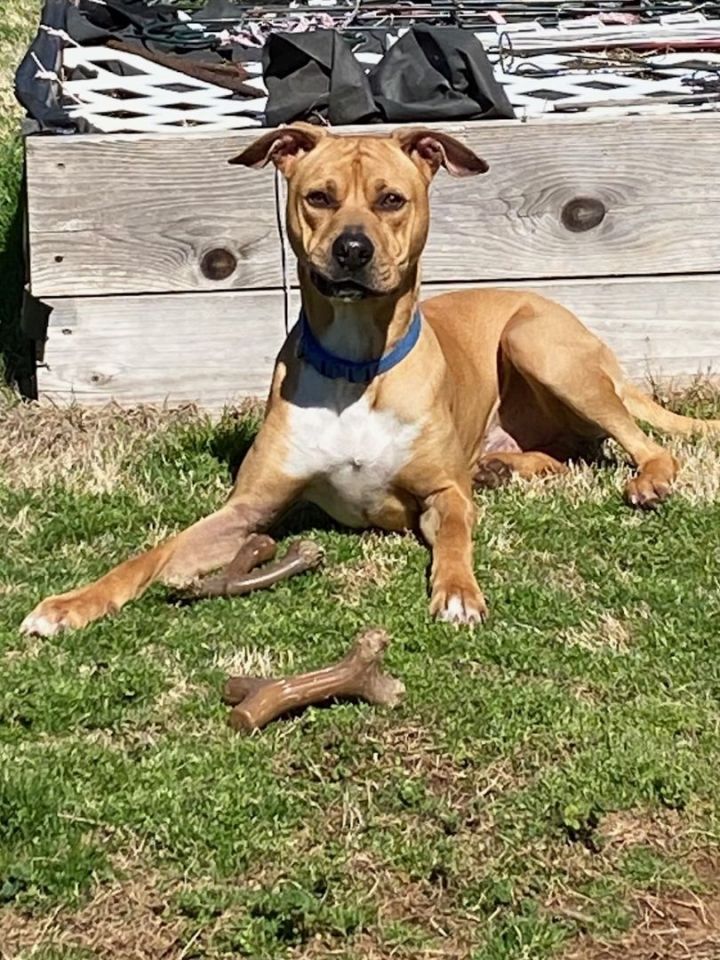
{"x":349,"y":452}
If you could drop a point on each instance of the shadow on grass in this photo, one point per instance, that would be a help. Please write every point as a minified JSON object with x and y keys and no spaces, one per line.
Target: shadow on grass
{"x":230,"y":443}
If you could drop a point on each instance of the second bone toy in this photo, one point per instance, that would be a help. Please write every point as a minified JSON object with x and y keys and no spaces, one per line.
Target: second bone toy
{"x":256,"y":700}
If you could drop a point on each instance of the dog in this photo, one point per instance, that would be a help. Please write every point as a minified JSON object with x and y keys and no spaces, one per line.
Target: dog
{"x":385,"y":413}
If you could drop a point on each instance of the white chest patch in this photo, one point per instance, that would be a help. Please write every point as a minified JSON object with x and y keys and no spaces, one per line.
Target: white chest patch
{"x":348,"y":452}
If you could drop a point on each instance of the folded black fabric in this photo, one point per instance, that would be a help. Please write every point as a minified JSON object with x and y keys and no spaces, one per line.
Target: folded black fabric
{"x":37,"y":94}
{"x":314,"y":76}
{"x":437,"y":73}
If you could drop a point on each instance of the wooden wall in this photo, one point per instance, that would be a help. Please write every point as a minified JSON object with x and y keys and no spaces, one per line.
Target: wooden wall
{"x":163,"y":267}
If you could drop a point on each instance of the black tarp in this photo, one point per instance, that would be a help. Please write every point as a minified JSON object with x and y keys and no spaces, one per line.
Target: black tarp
{"x":430,"y":73}
{"x":437,"y":73}
{"x":38,"y":95}
{"x":315,"y":76}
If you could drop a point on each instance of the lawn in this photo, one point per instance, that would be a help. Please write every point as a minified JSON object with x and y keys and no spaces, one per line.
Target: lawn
{"x":547,"y":789}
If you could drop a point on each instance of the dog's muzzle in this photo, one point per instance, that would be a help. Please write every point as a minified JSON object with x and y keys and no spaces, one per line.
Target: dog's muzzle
{"x":349,"y":273}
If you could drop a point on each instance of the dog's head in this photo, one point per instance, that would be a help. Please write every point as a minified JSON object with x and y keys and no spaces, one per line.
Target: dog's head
{"x":358,"y":205}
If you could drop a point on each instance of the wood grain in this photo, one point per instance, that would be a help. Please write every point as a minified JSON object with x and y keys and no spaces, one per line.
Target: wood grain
{"x":207,"y":348}
{"x":137,"y":214}
{"x":214,"y":349}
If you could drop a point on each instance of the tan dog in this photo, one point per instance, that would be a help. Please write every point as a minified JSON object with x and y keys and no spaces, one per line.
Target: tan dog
{"x":497,"y":381}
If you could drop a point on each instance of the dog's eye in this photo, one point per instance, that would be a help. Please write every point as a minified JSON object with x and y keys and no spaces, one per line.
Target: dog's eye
{"x":391,"y":201}
{"x":318,"y":198}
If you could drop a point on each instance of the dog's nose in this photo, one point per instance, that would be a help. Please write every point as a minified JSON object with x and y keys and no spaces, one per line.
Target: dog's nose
{"x":353,"y":250}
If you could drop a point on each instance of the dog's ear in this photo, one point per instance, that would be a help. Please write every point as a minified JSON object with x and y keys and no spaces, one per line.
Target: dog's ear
{"x":432,"y":149}
{"x":284,"y":146}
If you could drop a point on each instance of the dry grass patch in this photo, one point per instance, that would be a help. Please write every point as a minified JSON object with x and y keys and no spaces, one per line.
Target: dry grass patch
{"x":559,"y":572}
{"x":255,"y":662}
{"x":128,"y":920}
{"x":661,"y":829}
{"x":698,"y":479}
{"x":29,"y":648}
{"x":382,"y":555}
{"x":607,"y":635}
{"x":88,"y":448}
{"x":579,"y":485}
{"x":179,"y":688}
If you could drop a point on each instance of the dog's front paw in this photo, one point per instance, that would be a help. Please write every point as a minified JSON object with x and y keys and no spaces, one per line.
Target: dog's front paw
{"x":458,"y":605}
{"x":56,"y":614}
{"x":50,"y":617}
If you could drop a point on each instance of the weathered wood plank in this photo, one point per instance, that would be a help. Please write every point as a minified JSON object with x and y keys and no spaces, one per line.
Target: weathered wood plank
{"x":207,"y":348}
{"x":216,"y":348}
{"x":136,"y":214}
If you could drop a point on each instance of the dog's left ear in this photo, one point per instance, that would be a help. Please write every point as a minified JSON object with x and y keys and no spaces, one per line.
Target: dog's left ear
{"x":432,"y":149}
{"x":284,"y":146}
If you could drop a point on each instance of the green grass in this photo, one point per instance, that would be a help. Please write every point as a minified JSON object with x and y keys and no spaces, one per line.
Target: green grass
{"x":467,"y":822}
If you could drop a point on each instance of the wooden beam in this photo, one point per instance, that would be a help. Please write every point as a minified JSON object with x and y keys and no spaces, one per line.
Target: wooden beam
{"x":141,"y":213}
{"x":214,"y":349}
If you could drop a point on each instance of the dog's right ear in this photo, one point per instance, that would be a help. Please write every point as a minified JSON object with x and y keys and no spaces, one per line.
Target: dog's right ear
{"x":284,"y":146}
{"x":431,"y":149}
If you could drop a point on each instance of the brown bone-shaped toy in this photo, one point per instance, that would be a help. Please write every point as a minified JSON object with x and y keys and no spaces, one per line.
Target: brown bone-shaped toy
{"x":240,"y":576}
{"x":257,"y":701}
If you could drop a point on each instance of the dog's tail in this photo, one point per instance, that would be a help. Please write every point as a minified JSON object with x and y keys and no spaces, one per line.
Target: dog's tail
{"x":644,"y":408}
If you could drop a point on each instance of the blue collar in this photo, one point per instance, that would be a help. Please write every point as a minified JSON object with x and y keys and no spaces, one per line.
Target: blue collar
{"x":336,"y":368}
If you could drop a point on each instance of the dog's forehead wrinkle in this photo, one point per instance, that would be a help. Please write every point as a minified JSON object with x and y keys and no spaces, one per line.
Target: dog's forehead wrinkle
{"x":361,"y":164}
{"x":330,"y":158}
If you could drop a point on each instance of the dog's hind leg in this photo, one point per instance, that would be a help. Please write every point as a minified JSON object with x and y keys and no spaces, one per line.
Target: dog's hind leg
{"x":579,"y":374}
{"x":495,"y":469}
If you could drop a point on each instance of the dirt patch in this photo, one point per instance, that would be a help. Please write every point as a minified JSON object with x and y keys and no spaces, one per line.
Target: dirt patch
{"x":460,"y":785}
{"x":415,"y":920}
{"x":123,"y":921}
{"x":661,"y":829}
{"x":369,"y":947}
{"x":669,"y":925}
{"x":685,"y":926}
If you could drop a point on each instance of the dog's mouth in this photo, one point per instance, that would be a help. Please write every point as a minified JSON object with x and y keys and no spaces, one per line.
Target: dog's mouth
{"x":348,"y":290}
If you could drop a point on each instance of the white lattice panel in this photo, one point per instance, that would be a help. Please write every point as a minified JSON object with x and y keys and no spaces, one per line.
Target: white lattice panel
{"x":591,"y":33}
{"x":605,"y":89}
{"x":152,"y":98}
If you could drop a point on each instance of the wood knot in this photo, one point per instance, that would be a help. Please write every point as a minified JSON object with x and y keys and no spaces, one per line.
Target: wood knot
{"x":218,"y":264}
{"x":582,"y":213}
